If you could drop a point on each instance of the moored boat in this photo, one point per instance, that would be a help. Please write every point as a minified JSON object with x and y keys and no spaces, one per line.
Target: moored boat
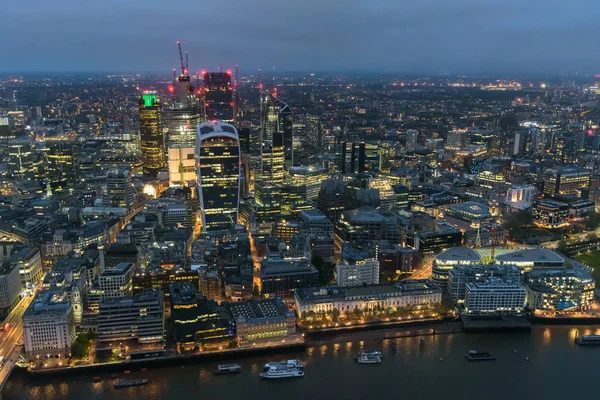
{"x":369,"y":359}
{"x":223,"y":369}
{"x":474,"y":355}
{"x":284,"y":364}
{"x":588,"y":340}
{"x":129,"y":383}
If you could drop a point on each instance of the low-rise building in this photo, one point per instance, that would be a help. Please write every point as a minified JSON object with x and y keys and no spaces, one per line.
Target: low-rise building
{"x":494,"y":297}
{"x":133,"y":324}
{"x":450,"y":258}
{"x":48,"y":326}
{"x":532,"y":259}
{"x":409,"y":293}
{"x":559,"y":290}
{"x":550,"y":214}
{"x":262,"y":320}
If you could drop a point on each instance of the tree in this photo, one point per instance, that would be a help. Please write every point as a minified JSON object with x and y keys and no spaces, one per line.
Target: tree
{"x":357,"y":312}
{"x":593,"y":221}
{"x":335,"y":314}
{"x":562,"y":246}
{"x":590,"y":237}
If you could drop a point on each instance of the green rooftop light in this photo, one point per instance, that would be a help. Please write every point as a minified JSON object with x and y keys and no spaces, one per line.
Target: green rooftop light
{"x":149,"y":99}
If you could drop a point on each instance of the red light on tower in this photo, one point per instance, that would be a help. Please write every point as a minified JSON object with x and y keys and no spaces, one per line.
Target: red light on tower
{"x":203,"y":72}
{"x":171,"y":89}
{"x":228,"y":72}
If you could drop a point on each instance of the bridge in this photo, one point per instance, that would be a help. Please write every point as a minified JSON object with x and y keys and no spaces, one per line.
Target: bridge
{"x":10,"y":346}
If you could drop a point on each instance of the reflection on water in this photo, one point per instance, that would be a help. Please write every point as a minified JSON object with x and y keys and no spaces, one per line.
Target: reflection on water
{"x":424,"y":369}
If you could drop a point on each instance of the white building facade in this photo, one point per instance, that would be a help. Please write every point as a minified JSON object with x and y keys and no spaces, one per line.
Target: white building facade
{"x":494,"y":297}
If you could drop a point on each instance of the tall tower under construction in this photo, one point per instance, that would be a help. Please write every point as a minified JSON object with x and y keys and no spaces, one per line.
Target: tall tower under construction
{"x":218,"y":96}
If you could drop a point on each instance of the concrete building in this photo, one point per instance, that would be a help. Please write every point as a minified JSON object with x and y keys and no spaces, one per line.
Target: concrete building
{"x":137,"y":321}
{"x":355,"y":272}
{"x":461,"y":275}
{"x":493,"y":297}
{"x":566,"y":181}
{"x":29,"y":262}
{"x":48,"y":326}
{"x":266,"y":319}
{"x":550,"y":214}
{"x":112,"y":283}
{"x":119,"y":188}
{"x":315,"y":224}
{"x":409,"y":293}
{"x":310,"y":178}
{"x":521,"y":197}
{"x":280,"y":277}
{"x":10,"y":288}
{"x":467,"y":215}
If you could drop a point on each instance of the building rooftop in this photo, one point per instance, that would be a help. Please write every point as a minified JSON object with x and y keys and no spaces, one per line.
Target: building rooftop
{"x":461,"y":253}
{"x":531,"y":255}
{"x":312,"y":215}
{"x":119,"y":269}
{"x":471,"y":207}
{"x":48,"y":300}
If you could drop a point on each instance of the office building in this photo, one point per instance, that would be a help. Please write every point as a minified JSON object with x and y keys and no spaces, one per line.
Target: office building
{"x":315,"y":224}
{"x":22,"y":159}
{"x":29,"y":263}
{"x":460,"y":275}
{"x":197,"y":320}
{"x":132,"y":322}
{"x":396,"y":259}
{"x":181,"y":120}
{"x":119,"y":188}
{"x":48,"y":326}
{"x":218,"y":96}
{"x":365,"y":225}
{"x":437,"y":240}
{"x":559,"y":290}
{"x":111,"y":283}
{"x":267,"y":319}
{"x":280,"y":277}
{"x":61,"y":156}
{"x":218,"y":154}
{"x":10,"y":288}
{"x":356,"y":271}
{"x":351,"y":157}
{"x":420,"y":294}
{"x":550,"y":214}
{"x":445,"y":261}
{"x":521,"y":197}
{"x":566,"y":181}
{"x":494,"y":297}
{"x":467,"y":215}
{"x":310,"y":178}
{"x":273,"y":160}
{"x":331,"y":198}
{"x":412,"y":136}
{"x":151,"y":134}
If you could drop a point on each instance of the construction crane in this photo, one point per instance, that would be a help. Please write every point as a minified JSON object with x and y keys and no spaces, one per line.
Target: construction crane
{"x":186,"y":63}
{"x":181,"y":58}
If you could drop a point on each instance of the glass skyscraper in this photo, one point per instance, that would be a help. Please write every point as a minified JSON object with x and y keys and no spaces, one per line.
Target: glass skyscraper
{"x":218,"y":96}
{"x":218,"y":170}
{"x":151,"y":134}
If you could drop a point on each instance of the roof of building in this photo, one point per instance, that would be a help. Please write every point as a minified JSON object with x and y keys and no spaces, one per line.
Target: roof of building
{"x":531,"y":255}
{"x":460,"y":253}
{"x":471,"y":207}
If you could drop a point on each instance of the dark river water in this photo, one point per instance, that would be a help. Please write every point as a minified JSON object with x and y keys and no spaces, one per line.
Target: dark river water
{"x":557,"y":368}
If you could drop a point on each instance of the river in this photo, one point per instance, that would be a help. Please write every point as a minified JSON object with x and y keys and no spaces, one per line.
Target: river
{"x":557,"y":368}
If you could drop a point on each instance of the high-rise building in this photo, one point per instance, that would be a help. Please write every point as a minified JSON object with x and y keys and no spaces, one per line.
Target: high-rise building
{"x":119,"y":188}
{"x":218,"y":96}
{"x":218,"y":170}
{"x":22,"y":160}
{"x":151,"y":133}
{"x":273,"y":160}
{"x":276,"y":138}
{"x":566,"y":181}
{"x":61,"y":162}
{"x":351,"y":157}
{"x":411,"y":139}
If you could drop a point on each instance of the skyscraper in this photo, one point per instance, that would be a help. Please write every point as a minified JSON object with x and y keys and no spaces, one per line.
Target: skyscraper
{"x":218,"y":96}
{"x":411,"y":139}
{"x":277,"y":136}
{"x":151,"y":134}
{"x":182,"y":119}
{"x":273,"y":159}
{"x":218,"y":170}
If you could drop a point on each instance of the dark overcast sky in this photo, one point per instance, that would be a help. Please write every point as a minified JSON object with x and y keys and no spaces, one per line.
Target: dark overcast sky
{"x":403,"y":36}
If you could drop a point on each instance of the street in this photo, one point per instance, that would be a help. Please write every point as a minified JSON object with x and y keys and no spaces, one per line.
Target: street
{"x":10,"y":340}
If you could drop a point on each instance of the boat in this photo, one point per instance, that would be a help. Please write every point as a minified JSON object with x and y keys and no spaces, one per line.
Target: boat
{"x":474,"y":355}
{"x":369,"y":353}
{"x":223,"y":369}
{"x":369,"y":359}
{"x":281,"y":373}
{"x":284,"y":364}
{"x":129,"y":383}
{"x":588,"y":340}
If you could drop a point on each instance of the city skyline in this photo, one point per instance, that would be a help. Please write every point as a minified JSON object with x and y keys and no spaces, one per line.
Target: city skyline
{"x":431,"y":37}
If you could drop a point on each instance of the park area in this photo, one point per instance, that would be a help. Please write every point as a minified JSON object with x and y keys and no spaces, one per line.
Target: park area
{"x":593,"y":260}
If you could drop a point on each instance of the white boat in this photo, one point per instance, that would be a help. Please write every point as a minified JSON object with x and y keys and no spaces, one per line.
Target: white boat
{"x":281,"y":373}
{"x":285,"y":364}
{"x":223,"y":369}
{"x":365,"y":359}
{"x":373,"y":353}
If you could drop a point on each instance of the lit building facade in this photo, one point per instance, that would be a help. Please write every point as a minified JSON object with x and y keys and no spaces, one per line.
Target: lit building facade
{"x":494,"y":296}
{"x":560,"y":290}
{"x":566,"y":181}
{"x":550,"y":214}
{"x":521,"y":196}
{"x":151,"y":133}
{"x":218,"y":170}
